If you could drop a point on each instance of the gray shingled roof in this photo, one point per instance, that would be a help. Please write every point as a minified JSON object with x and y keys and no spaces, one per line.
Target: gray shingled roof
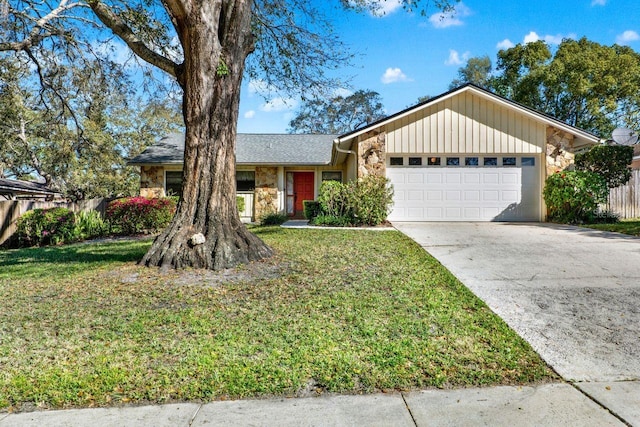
{"x":13,"y":186}
{"x":273,"y":149}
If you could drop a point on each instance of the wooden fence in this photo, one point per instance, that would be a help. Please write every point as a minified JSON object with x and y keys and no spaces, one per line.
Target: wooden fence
{"x":11,"y":210}
{"x":625,"y":200}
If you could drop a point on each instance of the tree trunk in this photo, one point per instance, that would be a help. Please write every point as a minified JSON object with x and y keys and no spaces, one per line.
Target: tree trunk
{"x":216,"y":37}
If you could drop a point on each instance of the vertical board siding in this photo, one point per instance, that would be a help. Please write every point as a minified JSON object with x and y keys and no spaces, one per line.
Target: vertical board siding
{"x":465,"y":123}
{"x":625,"y":200}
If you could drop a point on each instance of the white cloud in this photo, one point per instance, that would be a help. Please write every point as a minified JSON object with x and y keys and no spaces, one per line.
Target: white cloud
{"x":627,"y":37}
{"x":341,"y":92}
{"x":505,"y":44}
{"x":550,"y":39}
{"x":250,"y":114}
{"x":394,"y":75}
{"x":456,"y":59}
{"x":598,"y":2}
{"x":450,"y":19}
{"x":260,"y":87}
{"x":279,"y":104}
{"x":383,"y":8}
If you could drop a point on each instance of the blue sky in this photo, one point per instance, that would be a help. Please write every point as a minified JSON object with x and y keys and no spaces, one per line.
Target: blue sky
{"x":404,"y":56}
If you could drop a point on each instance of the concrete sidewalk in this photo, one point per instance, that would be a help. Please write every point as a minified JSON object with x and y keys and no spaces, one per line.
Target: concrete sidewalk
{"x":544,"y":405}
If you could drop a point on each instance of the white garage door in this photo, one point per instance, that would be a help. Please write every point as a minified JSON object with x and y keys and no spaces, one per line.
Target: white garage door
{"x":465,"y":188}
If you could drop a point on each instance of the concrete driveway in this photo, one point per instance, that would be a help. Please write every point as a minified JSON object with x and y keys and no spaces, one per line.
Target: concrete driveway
{"x":572,"y":293}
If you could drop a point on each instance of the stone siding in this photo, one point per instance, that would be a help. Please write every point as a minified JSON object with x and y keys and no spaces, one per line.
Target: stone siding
{"x":152,"y":181}
{"x":372,"y":155}
{"x":266,"y":192}
{"x":560,"y":152}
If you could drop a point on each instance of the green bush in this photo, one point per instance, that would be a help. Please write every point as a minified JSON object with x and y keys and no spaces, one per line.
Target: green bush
{"x":240,"y":203}
{"x":370,"y":199}
{"x":40,"y":227}
{"x":90,"y":225}
{"x":363,"y":202}
{"x":311,"y":209}
{"x":333,"y":198}
{"x":273,"y":219}
{"x":135,"y":215}
{"x":573,"y":196}
{"x":332,"y":221}
{"x":611,"y":162}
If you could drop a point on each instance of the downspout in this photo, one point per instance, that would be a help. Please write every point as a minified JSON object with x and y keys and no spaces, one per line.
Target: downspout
{"x":336,"y":145}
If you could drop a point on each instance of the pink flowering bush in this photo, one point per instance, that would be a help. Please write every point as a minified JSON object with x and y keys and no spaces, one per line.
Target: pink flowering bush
{"x":135,"y":215}
{"x":40,"y":227}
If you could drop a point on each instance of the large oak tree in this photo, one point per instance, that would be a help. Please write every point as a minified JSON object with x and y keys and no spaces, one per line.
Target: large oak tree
{"x":291,"y":42}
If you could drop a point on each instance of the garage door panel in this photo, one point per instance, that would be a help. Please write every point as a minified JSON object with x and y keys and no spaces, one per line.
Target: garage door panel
{"x":458,"y":193}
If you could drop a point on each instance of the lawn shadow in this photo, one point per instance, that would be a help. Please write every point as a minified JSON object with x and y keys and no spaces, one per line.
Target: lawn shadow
{"x":70,"y":258}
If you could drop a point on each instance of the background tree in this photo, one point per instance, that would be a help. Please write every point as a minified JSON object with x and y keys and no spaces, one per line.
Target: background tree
{"x":339,"y":114}
{"x":88,"y":158}
{"x":293,"y":41}
{"x":611,"y":162}
{"x":585,"y":84}
{"x":476,"y":71}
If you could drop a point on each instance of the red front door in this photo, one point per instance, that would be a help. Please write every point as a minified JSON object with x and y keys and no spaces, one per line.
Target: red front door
{"x":302,"y":190}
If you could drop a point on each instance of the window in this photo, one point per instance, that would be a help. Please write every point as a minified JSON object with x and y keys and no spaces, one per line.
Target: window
{"x":471,"y":161}
{"x":332,"y":176}
{"x":415,"y":161}
{"x":528,"y":161}
{"x":453,"y":161}
{"x":508,"y":161}
{"x":433,"y":161}
{"x":245,"y":180}
{"x":491,"y":161}
{"x":173,"y":183}
{"x":396,"y":161}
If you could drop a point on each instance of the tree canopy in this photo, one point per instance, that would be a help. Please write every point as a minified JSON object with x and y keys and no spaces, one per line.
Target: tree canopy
{"x":476,"y":71}
{"x":339,"y":114}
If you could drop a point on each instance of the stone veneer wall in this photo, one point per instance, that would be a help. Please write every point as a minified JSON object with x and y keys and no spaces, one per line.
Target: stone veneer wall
{"x":152,"y":181}
{"x":372,"y":155}
{"x":560,"y":153}
{"x":266,"y":192}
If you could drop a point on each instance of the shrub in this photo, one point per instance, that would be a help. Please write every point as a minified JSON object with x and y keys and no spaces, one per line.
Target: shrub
{"x":273,"y":219}
{"x":369,"y":200}
{"x":332,"y":197}
{"x":332,"y":221}
{"x":311,"y":209}
{"x":135,"y":215}
{"x":611,"y":162}
{"x":573,"y":196}
{"x":363,"y":202}
{"x":41,"y":227}
{"x":90,"y":224}
{"x":240,"y":203}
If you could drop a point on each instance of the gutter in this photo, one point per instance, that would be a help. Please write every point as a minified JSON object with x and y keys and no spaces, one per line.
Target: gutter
{"x":336,"y":145}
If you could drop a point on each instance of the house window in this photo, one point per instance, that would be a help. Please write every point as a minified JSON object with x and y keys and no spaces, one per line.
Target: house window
{"x":471,"y":161}
{"x":508,"y":161}
{"x":332,"y":176}
{"x":433,"y":161}
{"x":396,"y":161}
{"x":528,"y":161}
{"x":245,"y":180}
{"x":453,"y":161}
{"x":173,"y":183}
{"x":415,"y":161}
{"x":491,"y":161}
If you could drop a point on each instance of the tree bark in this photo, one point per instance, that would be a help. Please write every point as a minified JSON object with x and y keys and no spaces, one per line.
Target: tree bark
{"x":216,"y":37}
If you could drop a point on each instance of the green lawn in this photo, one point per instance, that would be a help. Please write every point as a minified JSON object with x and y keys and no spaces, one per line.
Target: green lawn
{"x":625,"y":226}
{"x":334,"y":311}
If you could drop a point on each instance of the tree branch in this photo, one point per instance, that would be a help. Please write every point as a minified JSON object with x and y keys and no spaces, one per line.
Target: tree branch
{"x":122,"y":30}
{"x":42,"y":28}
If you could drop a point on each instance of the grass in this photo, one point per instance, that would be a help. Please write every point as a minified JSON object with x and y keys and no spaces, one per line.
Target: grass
{"x":625,"y":226}
{"x":335,"y":311}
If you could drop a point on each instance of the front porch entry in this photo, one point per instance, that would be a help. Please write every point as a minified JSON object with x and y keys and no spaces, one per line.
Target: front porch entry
{"x":300,"y":187}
